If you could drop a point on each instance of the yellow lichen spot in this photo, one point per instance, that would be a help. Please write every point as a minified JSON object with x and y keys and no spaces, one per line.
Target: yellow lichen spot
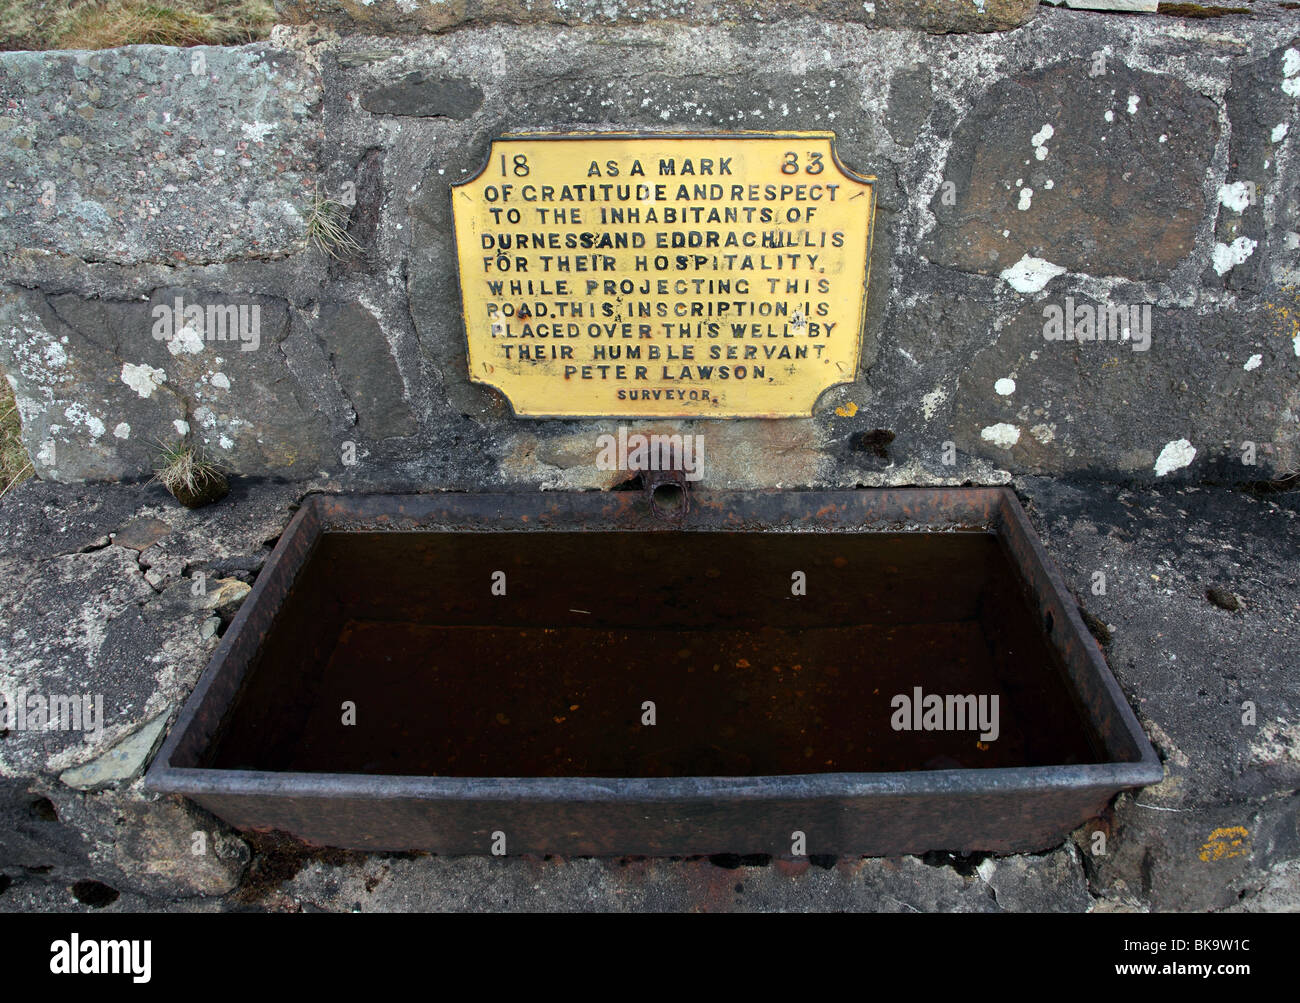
{"x":742,"y":663}
{"x":982,"y":746}
{"x":1233,"y":841}
{"x":847,"y":410}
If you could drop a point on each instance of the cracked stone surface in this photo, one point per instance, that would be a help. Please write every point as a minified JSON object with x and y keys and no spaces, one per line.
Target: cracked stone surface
{"x":83,"y":617}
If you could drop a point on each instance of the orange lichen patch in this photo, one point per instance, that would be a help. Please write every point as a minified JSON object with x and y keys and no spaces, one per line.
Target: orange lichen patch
{"x":1225,"y":843}
{"x":847,"y":410}
{"x":1286,"y":313}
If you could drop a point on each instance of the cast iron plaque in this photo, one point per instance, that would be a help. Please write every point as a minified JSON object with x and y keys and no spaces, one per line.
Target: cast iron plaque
{"x":717,"y":276}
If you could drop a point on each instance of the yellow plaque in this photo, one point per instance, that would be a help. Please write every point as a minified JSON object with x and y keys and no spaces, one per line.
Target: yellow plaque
{"x":610,"y":275}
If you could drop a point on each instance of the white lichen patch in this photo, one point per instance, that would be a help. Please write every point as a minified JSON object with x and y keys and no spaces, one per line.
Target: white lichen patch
{"x":182,"y":427}
{"x":1030,"y":274}
{"x":185,"y":340}
{"x":1174,"y":456}
{"x":1253,"y":362}
{"x":1043,"y":433}
{"x":143,"y":379}
{"x":1039,"y":141}
{"x":1109,"y":116}
{"x":1026,"y":199}
{"x":931,"y":401}
{"x":1002,"y":435}
{"x":1235,"y":196}
{"x":1005,"y":387}
{"x":122,"y":430}
{"x":55,"y":356}
{"x":220,"y":381}
{"x":1133,"y":100}
{"x":1279,"y":132}
{"x":1228,"y":255}
{"x":1291,"y":73}
{"x":79,"y":414}
{"x":255,"y":132}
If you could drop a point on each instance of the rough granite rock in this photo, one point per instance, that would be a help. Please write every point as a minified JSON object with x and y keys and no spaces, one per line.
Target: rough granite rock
{"x":114,"y":155}
{"x":1036,"y":388}
{"x":1052,"y":882}
{"x":360,"y":373}
{"x":402,"y":17}
{"x":1062,"y":184}
{"x":101,"y":387}
{"x":1259,"y":200}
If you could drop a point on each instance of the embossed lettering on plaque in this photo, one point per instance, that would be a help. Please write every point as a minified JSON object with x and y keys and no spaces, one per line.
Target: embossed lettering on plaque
{"x":719,"y":276}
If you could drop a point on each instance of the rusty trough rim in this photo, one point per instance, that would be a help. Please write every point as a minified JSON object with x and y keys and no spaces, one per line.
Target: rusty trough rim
{"x":1132,"y":761}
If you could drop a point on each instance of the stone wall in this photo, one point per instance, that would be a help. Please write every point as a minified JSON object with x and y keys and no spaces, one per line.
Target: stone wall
{"x":1028,"y":158}
{"x":1080,"y":160}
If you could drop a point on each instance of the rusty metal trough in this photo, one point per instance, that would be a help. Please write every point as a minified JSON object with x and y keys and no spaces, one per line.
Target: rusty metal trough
{"x":627,"y":685}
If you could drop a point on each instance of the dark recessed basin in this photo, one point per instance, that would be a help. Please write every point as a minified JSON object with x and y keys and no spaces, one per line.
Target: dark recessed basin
{"x":882,"y":671}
